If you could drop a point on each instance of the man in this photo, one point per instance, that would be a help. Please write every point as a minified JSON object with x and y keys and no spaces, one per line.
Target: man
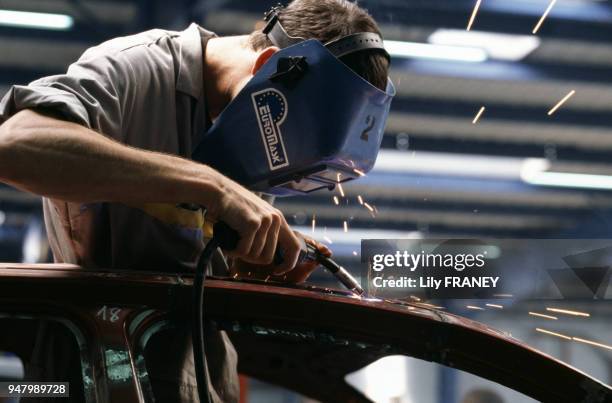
{"x":108,"y":144}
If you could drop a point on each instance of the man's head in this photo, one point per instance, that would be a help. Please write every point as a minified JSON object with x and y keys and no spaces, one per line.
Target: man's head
{"x":336,"y":124}
{"x":326,"y":21}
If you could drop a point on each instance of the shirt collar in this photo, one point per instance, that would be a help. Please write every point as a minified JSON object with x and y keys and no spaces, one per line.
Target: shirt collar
{"x":190,"y":74}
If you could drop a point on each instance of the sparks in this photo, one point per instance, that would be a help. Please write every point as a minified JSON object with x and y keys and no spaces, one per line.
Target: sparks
{"x":561,"y":102}
{"x":541,"y":315}
{"x":360,"y":199}
{"x":368,"y":207}
{"x":474,"y":307}
{"x":358,"y":172}
{"x":473,"y":17}
{"x":553,"y":333}
{"x":336,"y":201}
{"x":341,"y":189}
{"x":568,"y":312}
{"x":478,"y":115}
{"x":314,"y":222}
{"x":539,"y":24}
{"x":327,"y":239}
{"x":495,"y":306}
{"x":345,"y":226}
{"x":592,"y":343}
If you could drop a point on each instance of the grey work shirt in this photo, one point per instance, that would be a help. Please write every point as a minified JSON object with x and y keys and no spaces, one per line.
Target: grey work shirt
{"x":146,"y":91}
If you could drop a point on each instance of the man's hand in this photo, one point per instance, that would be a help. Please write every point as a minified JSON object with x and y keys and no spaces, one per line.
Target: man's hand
{"x":298,"y":275}
{"x":261,"y":228}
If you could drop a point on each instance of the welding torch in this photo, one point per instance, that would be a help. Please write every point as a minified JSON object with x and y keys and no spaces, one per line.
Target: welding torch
{"x":310,"y":252}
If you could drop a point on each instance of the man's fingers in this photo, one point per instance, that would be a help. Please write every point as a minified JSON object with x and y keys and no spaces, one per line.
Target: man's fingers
{"x":272,"y":241}
{"x":260,"y":241}
{"x":323,"y":249}
{"x":291,"y":249}
{"x":261,"y":228}
{"x":247,"y":236}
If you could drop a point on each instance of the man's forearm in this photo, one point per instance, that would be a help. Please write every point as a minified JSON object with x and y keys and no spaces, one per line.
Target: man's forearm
{"x":67,"y":161}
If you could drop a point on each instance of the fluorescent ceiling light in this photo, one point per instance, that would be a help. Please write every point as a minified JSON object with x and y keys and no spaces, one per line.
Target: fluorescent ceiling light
{"x":26,"y":19}
{"x":497,"y":46}
{"x":448,"y":164}
{"x":535,"y":172}
{"x":436,"y":52}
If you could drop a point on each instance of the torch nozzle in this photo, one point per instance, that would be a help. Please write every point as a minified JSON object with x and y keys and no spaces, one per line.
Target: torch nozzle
{"x":338,"y":271}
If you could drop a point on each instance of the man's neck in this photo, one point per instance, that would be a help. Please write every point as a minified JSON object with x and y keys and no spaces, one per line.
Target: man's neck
{"x":227,"y":68}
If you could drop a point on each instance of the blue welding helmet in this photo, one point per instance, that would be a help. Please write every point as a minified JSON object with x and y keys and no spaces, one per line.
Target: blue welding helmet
{"x":305,"y":121}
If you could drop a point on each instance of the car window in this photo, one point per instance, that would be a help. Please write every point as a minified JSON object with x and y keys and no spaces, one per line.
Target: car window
{"x":11,"y":369}
{"x":11,"y":366}
{"x":152,"y":376}
{"x":41,"y":350}
{"x":398,"y":378}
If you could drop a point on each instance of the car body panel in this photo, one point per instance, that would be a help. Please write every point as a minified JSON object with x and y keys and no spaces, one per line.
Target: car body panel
{"x":303,"y":338}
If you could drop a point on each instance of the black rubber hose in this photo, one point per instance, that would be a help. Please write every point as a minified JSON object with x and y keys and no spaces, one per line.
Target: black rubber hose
{"x":227,"y":239}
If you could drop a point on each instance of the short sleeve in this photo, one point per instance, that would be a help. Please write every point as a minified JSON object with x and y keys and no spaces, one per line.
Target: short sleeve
{"x":91,"y":93}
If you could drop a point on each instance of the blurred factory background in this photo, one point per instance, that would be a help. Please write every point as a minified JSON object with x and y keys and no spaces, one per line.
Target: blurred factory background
{"x":517,"y":172}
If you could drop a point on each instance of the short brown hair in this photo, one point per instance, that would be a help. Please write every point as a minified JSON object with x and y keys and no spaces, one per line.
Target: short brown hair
{"x":328,"y":20}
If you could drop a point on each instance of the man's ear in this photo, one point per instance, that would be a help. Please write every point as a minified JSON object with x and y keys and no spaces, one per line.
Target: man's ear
{"x":262,"y":57}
